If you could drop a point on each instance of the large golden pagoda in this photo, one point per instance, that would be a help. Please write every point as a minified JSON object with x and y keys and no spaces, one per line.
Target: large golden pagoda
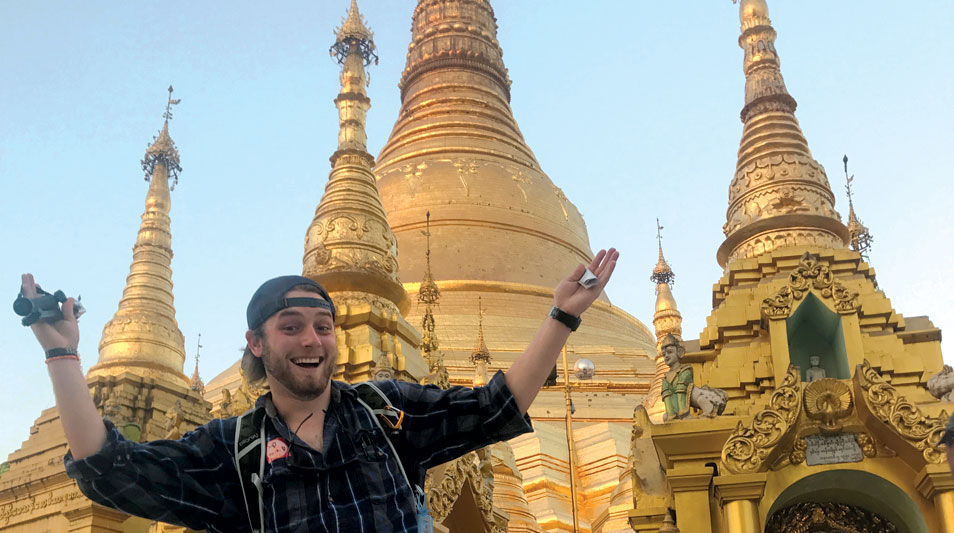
{"x":829,"y":424}
{"x":137,"y":383}
{"x":502,"y":232}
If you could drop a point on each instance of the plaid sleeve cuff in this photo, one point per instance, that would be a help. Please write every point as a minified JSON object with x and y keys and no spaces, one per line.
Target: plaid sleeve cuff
{"x":504,"y":420}
{"x":101,"y":462}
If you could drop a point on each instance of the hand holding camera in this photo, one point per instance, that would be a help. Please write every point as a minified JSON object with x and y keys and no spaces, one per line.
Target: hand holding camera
{"x":55,"y":326}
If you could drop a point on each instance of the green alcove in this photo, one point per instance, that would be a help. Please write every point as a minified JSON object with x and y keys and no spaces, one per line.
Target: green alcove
{"x":815,"y":330}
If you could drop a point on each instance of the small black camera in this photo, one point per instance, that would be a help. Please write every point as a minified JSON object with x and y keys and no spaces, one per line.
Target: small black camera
{"x":43,"y":307}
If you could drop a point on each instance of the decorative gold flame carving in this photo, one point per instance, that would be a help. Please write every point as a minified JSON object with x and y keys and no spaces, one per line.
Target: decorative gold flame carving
{"x":902,"y":416}
{"x":756,"y":447}
{"x":810,"y":274}
{"x":442,"y":494}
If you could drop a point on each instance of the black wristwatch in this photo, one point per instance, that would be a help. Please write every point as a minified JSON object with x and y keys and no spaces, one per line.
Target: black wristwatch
{"x":565,"y":318}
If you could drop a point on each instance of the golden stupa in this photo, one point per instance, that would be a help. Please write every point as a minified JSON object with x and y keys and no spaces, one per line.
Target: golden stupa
{"x":829,"y":423}
{"x":137,"y":383}
{"x":504,"y":234}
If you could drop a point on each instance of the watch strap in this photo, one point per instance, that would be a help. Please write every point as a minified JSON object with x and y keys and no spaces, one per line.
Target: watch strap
{"x":565,"y":318}
{"x":60,"y":352}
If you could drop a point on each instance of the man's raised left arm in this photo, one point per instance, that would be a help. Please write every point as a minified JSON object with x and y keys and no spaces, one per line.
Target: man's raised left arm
{"x":529,"y":372}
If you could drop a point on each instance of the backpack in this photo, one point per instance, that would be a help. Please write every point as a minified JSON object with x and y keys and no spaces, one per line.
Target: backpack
{"x":249,"y":449}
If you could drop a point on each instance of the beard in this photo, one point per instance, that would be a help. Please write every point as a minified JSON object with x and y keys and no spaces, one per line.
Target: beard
{"x":303,"y":383}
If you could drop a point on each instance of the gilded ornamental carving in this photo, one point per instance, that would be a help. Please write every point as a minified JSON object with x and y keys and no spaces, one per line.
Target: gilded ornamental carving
{"x":756,"y":448}
{"x":902,"y":416}
{"x":810,"y":274}
{"x":442,"y":493}
{"x":827,"y":400}
{"x":811,"y":516}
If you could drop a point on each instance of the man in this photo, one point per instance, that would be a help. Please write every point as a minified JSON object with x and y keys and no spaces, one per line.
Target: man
{"x":330,"y":467}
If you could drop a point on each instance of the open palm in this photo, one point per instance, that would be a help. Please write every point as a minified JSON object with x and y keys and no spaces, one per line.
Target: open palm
{"x":572,"y":297}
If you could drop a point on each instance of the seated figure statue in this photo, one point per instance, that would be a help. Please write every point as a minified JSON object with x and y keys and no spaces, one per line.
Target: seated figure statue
{"x":815,"y":372}
{"x":941,"y":385}
{"x":679,"y":393}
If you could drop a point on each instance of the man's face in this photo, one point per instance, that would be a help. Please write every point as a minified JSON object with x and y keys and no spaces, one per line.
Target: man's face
{"x":814,"y":360}
{"x":671,"y":355}
{"x":299,"y":349}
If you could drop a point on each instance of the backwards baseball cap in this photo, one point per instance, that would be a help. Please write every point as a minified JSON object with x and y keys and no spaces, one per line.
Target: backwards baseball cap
{"x":270,"y":299}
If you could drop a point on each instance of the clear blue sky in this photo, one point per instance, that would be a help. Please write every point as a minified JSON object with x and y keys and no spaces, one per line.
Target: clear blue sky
{"x":631,"y":107}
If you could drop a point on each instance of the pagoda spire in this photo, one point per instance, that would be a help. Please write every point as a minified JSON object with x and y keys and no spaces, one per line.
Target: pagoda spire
{"x":481,"y":355}
{"x":349,"y":246}
{"x":858,"y":234}
{"x":455,"y":34}
{"x":667,"y":320}
{"x":195,"y":382}
{"x":662,"y":273}
{"x":143,"y":336}
{"x":780,"y":196}
{"x":428,"y":295}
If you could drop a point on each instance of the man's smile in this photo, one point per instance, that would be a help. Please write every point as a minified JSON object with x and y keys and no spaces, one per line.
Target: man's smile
{"x":307,"y":362}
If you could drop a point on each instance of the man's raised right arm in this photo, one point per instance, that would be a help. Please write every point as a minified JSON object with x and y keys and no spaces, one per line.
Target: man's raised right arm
{"x":83,"y":425}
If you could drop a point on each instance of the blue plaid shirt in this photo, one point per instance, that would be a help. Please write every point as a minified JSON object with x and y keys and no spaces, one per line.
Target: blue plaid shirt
{"x":354,"y":485}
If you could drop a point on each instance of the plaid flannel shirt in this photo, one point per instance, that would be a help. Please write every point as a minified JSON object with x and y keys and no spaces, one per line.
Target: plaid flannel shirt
{"x":354,"y":485}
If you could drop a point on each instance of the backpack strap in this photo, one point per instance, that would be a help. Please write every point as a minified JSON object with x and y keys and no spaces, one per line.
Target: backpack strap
{"x":380,"y":407}
{"x":249,"y":457}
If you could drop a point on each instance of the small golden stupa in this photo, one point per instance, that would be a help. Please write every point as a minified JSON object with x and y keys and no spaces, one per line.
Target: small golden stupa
{"x":827,"y":422}
{"x":137,"y":383}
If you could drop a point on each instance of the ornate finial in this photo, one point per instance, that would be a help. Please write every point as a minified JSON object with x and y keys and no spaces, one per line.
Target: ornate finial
{"x":861,"y":239}
{"x":480,"y":353}
{"x":196,"y":382}
{"x":428,"y":294}
{"x":168,"y":114}
{"x":354,"y":32}
{"x":662,"y":273}
{"x":163,"y":150}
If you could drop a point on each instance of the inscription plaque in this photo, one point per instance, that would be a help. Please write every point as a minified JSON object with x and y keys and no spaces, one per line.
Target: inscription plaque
{"x":832,"y":449}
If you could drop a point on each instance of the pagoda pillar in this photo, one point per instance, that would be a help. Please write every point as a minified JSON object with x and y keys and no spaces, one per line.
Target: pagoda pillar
{"x":936,"y":483}
{"x":739,"y":497}
{"x":690,"y":488}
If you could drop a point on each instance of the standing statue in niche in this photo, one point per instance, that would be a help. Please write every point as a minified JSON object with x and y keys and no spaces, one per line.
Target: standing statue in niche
{"x":677,"y":384}
{"x":679,"y":393}
{"x":815,"y":372}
